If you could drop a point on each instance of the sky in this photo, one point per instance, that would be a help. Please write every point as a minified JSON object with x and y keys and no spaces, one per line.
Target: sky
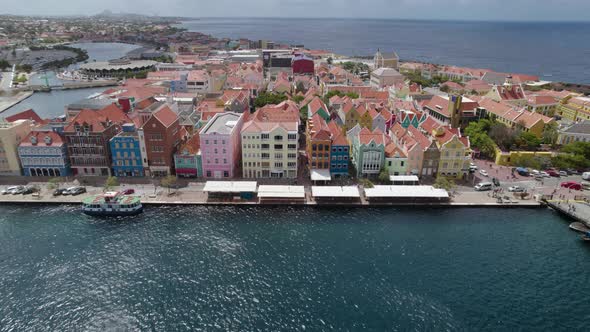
{"x":485,"y":10}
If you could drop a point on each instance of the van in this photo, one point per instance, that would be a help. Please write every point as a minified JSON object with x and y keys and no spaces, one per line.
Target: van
{"x":586,"y":176}
{"x":586,"y":185}
{"x":483,"y":186}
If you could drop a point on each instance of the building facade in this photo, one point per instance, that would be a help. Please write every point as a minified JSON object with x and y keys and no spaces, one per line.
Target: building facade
{"x":126,"y":153}
{"x":221,"y":144}
{"x":44,"y":154}
{"x":161,"y":133}
{"x":187,"y":160}
{"x":368,"y":152}
{"x":11,"y":135}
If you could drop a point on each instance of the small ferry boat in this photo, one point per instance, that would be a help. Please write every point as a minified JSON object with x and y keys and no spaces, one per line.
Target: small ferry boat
{"x":112,"y":203}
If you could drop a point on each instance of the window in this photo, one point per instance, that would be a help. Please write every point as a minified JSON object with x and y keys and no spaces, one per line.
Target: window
{"x":334,"y":149}
{"x":216,"y":161}
{"x":208,"y":174}
{"x":225,"y":161}
{"x":265,"y":156}
{"x":265,"y":136}
{"x":223,"y":142}
{"x":314,"y":147}
{"x":225,"y":174}
{"x":278,"y":138}
{"x":320,"y":147}
{"x":292,"y":146}
{"x":279,"y":165}
{"x":265,"y":146}
{"x":327,"y":147}
{"x":215,"y":150}
{"x":292,"y":165}
{"x":206,"y":141}
{"x":402,"y":163}
{"x":292,"y":155}
{"x":278,"y":146}
{"x":389,"y":163}
{"x":215,"y":142}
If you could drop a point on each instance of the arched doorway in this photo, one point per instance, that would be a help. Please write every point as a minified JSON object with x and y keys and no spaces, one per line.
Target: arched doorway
{"x":57,"y":172}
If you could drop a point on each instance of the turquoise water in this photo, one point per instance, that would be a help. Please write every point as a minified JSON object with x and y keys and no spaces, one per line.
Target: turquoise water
{"x":248,"y":269}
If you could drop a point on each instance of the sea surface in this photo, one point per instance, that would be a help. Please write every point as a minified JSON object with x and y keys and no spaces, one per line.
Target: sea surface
{"x":554,"y":51}
{"x":292,"y":269}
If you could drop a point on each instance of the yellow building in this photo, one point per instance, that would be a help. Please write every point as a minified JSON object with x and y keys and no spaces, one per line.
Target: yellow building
{"x":575,"y":109}
{"x":11,"y":134}
{"x":365,"y":119}
{"x":505,"y":158}
{"x":454,"y":152}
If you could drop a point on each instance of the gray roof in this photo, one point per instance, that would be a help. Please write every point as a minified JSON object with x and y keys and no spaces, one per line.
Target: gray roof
{"x":92,"y":104}
{"x":494,"y":78}
{"x":579,"y":128}
{"x":221,"y":123}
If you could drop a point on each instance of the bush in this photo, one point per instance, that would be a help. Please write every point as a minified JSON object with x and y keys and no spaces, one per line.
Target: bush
{"x":442,"y":182}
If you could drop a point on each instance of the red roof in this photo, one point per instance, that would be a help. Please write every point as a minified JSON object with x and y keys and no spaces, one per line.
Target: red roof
{"x":513,"y":92}
{"x":315,"y":105}
{"x":377,"y":136}
{"x":192,"y":145}
{"x":56,"y":139}
{"x":25,"y":115}
{"x":166,"y":116}
{"x":98,"y":120}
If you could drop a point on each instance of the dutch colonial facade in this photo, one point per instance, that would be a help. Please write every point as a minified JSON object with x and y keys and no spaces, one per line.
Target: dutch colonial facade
{"x":11,"y":134}
{"x":187,"y":160}
{"x":87,"y":137}
{"x":43,"y":153}
{"x":161,"y":133}
{"x":126,"y":153}
{"x":368,"y":152}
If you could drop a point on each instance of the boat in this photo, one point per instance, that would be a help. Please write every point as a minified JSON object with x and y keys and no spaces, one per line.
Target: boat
{"x":112,"y":203}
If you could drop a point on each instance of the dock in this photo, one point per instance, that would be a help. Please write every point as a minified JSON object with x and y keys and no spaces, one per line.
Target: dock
{"x":575,"y":210}
{"x":7,"y":102}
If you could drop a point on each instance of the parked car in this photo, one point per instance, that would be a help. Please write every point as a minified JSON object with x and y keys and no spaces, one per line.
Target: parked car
{"x":563,"y":173}
{"x":472,"y":167}
{"x":552,"y":173}
{"x":483,"y":186}
{"x":9,"y":190}
{"x":59,"y":191}
{"x":586,"y":176}
{"x":523,"y":171}
{"x":129,"y":191}
{"x":516,"y":189}
{"x":538,"y":177}
{"x":30,"y":190}
{"x":76,"y":191}
{"x":545,"y":174}
{"x":571,"y":171}
{"x":535,"y":172}
{"x":571,"y":185}
{"x":483,"y":172}
{"x":67,"y":191}
{"x":19,"y":190}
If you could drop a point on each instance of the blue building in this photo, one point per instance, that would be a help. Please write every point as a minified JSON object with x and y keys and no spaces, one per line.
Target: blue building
{"x":339,"y":157}
{"x":126,"y":153}
{"x":44,"y":153}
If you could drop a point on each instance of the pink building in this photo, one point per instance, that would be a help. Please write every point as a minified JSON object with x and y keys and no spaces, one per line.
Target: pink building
{"x":221,"y":145}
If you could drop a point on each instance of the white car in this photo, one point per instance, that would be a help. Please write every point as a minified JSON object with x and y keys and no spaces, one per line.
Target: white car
{"x":483,"y":172}
{"x":10,"y":190}
{"x":586,"y":176}
{"x":545,"y":175}
{"x":516,"y":189}
{"x":535,"y":172}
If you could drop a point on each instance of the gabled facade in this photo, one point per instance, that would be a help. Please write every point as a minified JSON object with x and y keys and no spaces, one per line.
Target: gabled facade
{"x":126,"y":153}
{"x":187,"y":160}
{"x":162,"y":134}
{"x":368,"y":152}
{"x":317,"y":106}
{"x":43,"y":153}
{"x":396,"y":161}
{"x":454,"y":152}
{"x":318,"y":143}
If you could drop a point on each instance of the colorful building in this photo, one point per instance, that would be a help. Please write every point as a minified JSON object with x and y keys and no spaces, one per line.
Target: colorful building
{"x":11,"y":135}
{"x":188,"y":161}
{"x":318,"y":143}
{"x":317,"y":106}
{"x":575,"y":109}
{"x":340,"y":155}
{"x":43,"y":153}
{"x":454,"y":152}
{"x":396,"y":161}
{"x":161,"y":133}
{"x":220,"y":145}
{"x":126,"y":152}
{"x":368,"y":152}
{"x":87,"y":137}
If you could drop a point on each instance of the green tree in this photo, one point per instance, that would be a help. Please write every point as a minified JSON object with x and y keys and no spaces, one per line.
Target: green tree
{"x":330,"y":60}
{"x":4,"y":64}
{"x":550,"y":133}
{"x":169,"y":182}
{"x":525,"y":160}
{"x":528,"y":140}
{"x":298,"y":99}
{"x":366,"y":183}
{"x":110,"y":183}
{"x":578,"y":148}
{"x":443,"y":182}
{"x":267,"y":98}
{"x":26,"y":68}
{"x":383,"y":176}
{"x":53,"y":183}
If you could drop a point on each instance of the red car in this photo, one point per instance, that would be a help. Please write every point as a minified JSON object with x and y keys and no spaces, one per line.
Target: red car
{"x":571,"y":185}
{"x":128,"y":191}
{"x":553,"y":173}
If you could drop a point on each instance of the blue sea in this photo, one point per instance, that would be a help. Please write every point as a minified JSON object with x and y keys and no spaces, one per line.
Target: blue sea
{"x":292,"y":269}
{"x":554,"y":51}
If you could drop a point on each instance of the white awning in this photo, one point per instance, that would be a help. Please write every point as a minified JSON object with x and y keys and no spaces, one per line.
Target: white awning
{"x":281,"y":192}
{"x":320,"y":175}
{"x":230,"y":186}
{"x":406,"y":192}
{"x":404,"y":178}
{"x":335,"y":191}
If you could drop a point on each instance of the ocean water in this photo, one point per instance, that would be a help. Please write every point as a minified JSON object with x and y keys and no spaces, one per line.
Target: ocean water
{"x":555,"y":51}
{"x":279,"y":269}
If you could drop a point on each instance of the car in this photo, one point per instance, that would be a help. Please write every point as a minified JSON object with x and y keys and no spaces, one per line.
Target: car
{"x":571,"y":171}
{"x":553,"y":173}
{"x":496,"y":182}
{"x":523,"y":171}
{"x":30,"y":190}
{"x":59,"y":191}
{"x":516,"y":189}
{"x":483,"y":186}
{"x":586,"y":176}
{"x":545,"y":174}
{"x":129,"y":191}
{"x":538,"y":177}
{"x":483,"y":172}
{"x":68,"y":191}
{"x":9,"y":190}
{"x":563,"y":173}
{"x":571,"y":185}
{"x":19,"y":190}
{"x":76,"y":191}
{"x":535,"y":172}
